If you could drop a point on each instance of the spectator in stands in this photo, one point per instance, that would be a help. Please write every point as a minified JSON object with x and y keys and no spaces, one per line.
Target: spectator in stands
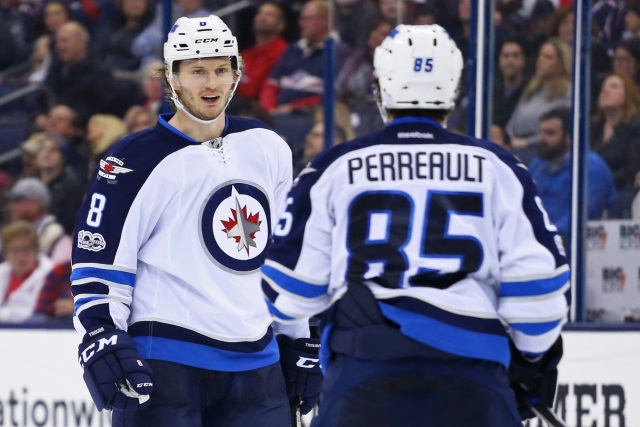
{"x":23,"y":273}
{"x":64,"y":122}
{"x":552,"y":173}
{"x":30,"y":149}
{"x":55,"y":14}
{"x":296,"y":82}
{"x":626,"y":60}
{"x":529,"y":21}
{"x":153,"y":93}
{"x":138,"y":15}
{"x":190,"y":9}
{"x":426,"y":15}
{"x":65,"y":187}
{"x":355,"y":80}
{"x":77,"y":80}
{"x":353,"y":20}
{"x":138,"y":118}
{"x":148,"y":44}
{"x":34,"y":69}
{"x":561,"y":25}
{"x":29,"y":200}
{"x":55,"y":302}
{"x":609,"y":17}
{"x":632,"y":20}
{"x":396,"y":12}
{"x":509,"y":81}
{"x":461,"y":29}
{"x":500,"y":136}
{"x":314,"y":143}
{"x":615,"y":135}
{"x":17,"y":30}
{"x":269,"y":25}
{"x":102,"y":132}
{"x":10,"y":51}
{"x":549,"y":88}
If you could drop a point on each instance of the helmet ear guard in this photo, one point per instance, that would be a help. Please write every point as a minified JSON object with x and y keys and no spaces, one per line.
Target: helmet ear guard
{"x":417,"y":67}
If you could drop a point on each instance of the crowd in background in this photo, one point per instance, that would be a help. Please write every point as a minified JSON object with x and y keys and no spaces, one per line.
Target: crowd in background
{"x":94,"y":68}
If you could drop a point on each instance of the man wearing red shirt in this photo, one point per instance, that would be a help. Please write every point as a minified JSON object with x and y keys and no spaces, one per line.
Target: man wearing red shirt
{"x":268,"y":26}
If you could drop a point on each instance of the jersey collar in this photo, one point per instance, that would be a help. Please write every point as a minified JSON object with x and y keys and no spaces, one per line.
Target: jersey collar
{"x":412,"y":119}
{"x":163,"y":120}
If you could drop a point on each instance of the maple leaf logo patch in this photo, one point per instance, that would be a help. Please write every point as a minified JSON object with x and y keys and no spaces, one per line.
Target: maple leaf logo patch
{"x":242,"y":228}
{"x":235,"y":220}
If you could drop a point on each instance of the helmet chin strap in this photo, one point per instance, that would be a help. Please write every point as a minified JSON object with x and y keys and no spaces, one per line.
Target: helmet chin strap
{"x":378,"y":97}
{"x":181,"y":106}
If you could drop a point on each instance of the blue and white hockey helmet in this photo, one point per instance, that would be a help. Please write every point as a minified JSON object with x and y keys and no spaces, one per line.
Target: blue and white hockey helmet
{"x":193,"y":38}
{"x":417,"y":66}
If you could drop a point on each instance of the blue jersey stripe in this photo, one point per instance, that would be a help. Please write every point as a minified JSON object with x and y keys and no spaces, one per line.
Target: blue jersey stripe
{"x":536,"y":328}
{"x":155,"y":330}
{"x":452,"y":339}
{"x":409,"y":304}
{"x":274,"y":311}
{"x":205,"y":357}
{"x":534,"y":287}
{"x":293,"y":285}
{"x":116,"y":276}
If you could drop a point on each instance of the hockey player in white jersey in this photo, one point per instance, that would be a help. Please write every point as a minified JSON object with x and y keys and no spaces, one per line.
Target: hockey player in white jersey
{"x":426,"y":253}
{"x":168,"y":247}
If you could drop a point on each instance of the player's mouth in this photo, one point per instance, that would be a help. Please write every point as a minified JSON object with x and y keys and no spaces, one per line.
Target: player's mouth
{"x":210,"y":99}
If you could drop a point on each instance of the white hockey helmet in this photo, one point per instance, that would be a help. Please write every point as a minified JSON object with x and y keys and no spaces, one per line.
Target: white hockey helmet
{"x":417,"y":67}
{"x":194,"y":38}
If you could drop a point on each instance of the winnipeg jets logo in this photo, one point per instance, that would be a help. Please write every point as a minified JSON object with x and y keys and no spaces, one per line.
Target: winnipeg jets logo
{"x":235,"y":225}
{"x":110,"y":167}
{"x":242,"y":227}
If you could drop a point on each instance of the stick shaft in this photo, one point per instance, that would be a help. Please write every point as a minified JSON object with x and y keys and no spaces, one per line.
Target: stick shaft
{"x":296,"y":417}
{"x":549,"y":417}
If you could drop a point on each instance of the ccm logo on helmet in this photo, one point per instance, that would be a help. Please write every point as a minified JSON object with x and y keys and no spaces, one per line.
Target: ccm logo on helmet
{"x":206,"y":40}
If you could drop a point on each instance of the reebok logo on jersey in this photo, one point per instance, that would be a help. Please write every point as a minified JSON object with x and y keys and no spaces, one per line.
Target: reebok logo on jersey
{"x":93,"y":242}
{"x":110,"y":167}
{"x":418,"y":135}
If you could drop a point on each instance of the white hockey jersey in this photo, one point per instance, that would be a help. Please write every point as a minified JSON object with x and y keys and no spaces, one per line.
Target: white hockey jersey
{"x":170,"y":239}
{"x":446,"y":230}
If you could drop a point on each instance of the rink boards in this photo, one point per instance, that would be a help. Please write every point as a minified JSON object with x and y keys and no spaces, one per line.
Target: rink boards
{"x":41,"y":381}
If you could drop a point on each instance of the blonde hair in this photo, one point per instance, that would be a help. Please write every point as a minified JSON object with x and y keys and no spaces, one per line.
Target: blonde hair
{"x":17,"y":229}
{"x":631,"y":100}
{"x":33,"y":144}
{"x":560,"y":84}
{"x":113,"y":129}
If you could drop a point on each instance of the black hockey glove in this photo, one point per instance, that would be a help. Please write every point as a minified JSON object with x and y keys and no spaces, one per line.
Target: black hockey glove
{"x":301,"y":369}
{"x":116,"y":375}
{"x":534,"y":380}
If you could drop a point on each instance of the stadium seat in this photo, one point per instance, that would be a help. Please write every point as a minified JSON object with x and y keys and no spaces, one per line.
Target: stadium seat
{"x":13,"y":130}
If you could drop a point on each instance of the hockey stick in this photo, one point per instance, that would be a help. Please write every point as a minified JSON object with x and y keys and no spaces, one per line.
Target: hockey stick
{"x":543,"y":412}
{"x":296,"y":417}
